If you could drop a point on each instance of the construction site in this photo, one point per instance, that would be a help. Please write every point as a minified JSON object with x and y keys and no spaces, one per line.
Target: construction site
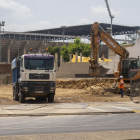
{"x":82,"y":79}
{"x":74,"y":83}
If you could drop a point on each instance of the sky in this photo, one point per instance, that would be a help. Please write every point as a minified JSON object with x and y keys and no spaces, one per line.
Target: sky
{"x":25,"y":15}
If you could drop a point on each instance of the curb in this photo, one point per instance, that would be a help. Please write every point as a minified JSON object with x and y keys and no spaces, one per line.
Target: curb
{"x":59,"y":114}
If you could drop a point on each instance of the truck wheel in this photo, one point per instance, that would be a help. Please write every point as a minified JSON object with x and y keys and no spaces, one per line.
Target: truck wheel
{"x":38,"y":98}
{"x":15,"y":95}
{"x":21,"y":98}
{"x":44,"y":98}
{"x":50,"y":98}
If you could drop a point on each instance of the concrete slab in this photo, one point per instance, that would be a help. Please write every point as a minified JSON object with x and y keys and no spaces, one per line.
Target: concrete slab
{"x":23,"y":107}
{"x":72,"y":106}
{"x":69,"y":109}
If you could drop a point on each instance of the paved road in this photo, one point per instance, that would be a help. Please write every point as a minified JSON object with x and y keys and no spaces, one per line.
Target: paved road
{"x":68,"y":124}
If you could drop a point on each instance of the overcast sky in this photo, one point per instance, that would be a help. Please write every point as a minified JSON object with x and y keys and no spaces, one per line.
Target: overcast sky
{"x":25,"y":15}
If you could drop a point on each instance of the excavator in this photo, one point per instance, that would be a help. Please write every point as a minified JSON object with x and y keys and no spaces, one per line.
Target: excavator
{"x":125,"y":63}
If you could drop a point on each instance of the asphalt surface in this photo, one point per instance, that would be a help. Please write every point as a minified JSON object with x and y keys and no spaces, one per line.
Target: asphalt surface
{"x":68,"y":124}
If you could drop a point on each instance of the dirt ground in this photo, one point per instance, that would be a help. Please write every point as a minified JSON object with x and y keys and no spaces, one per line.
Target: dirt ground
{"x":73,"y":91}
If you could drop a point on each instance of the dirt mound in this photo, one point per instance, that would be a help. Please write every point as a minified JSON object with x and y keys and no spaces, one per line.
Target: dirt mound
{"x":100,"y":91}
{"x":83,"y":83}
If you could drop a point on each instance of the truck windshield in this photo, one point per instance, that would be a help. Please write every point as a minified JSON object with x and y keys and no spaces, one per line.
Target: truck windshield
{"x":46,"y":64}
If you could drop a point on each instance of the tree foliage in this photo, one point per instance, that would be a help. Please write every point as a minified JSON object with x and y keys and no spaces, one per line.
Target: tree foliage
{"x":65,"y":53}
{"x":124,"y":43}
{"x":72,"y":48}
{"x":53,"y":50}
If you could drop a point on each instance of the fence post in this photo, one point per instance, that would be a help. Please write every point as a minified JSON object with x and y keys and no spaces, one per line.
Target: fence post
{"x":80,"y":57}
{"x":76,"y":57}
{"x":56,"y":60}
{"x":61,"y":59}
{"x":8,"y":55}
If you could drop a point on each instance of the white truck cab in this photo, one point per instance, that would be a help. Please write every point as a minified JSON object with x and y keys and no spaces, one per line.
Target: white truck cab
{"x":33,"y":75}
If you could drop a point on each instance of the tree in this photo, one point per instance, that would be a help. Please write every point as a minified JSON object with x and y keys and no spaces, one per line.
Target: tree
{"x":53,"y":50}
{"x":124,"y":43}
{"x":77,"y":46}
{"x":65,"y":53}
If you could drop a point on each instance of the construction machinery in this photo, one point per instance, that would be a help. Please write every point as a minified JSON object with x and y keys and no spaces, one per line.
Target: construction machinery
{"x":33,"y":75}
{"x":125,"y":63}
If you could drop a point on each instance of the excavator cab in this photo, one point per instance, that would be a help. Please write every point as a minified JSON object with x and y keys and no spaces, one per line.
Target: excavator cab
{"x":130,"y":63}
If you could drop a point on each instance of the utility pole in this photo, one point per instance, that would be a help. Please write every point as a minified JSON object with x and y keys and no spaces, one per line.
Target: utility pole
{"x":63,"y":27}
{"x":111,"y":16}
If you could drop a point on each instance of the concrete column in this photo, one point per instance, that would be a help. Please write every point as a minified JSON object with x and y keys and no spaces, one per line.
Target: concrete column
{"x":61,"y":59}
{"x":24,"y":51}
{"x":56,"y":61}
{"x":56,"y":55}
{"x":8,"y":55}
{"x":70,"y":57}
{"x":80,"y":57}
{"x":76,"y":57}
{"x":39,"y":51}
{"x":39,"y":46}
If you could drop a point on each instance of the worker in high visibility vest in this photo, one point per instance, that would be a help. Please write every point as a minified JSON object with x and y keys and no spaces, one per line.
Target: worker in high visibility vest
{"x":121,"y":85}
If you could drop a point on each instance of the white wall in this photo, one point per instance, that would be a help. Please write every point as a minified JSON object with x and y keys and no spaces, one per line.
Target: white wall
{"x":135,"y":50}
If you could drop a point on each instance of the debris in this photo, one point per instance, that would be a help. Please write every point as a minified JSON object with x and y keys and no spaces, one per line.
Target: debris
{"x":136,"y":101}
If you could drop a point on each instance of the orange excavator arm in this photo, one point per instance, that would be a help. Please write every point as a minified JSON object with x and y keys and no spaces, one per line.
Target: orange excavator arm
{"x":98,"y":32}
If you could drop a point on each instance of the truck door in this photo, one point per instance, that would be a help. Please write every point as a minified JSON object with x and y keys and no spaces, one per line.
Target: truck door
{"x":21,"y":69}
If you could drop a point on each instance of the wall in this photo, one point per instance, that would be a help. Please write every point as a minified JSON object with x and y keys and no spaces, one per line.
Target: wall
{"x":135,"y":50}
{"x":69,"y":70}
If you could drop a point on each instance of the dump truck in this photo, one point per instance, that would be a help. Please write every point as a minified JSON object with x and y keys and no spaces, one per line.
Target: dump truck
{"x":125,"y":64}
{"x":33,"y":75}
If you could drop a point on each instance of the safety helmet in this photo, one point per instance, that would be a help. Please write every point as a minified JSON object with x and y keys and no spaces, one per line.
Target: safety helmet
{"x":121,"y":76}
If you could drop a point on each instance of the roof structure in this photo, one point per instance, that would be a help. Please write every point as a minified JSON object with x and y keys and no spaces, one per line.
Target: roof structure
{"x":84,"y":30}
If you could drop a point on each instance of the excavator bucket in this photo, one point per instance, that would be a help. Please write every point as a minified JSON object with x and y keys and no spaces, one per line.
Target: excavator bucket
{"x":98,"y":71}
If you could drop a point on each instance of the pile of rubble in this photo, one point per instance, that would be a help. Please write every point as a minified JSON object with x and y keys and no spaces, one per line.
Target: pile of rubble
{"x":84,"y":83}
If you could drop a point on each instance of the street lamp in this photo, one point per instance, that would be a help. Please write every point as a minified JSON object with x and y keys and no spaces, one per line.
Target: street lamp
{"x":1,"y":24}
{"x":109,"y":12}
{"x":64,"y":27}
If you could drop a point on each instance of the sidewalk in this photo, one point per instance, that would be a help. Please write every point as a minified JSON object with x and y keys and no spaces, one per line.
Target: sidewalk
{"x":47,"y":109}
